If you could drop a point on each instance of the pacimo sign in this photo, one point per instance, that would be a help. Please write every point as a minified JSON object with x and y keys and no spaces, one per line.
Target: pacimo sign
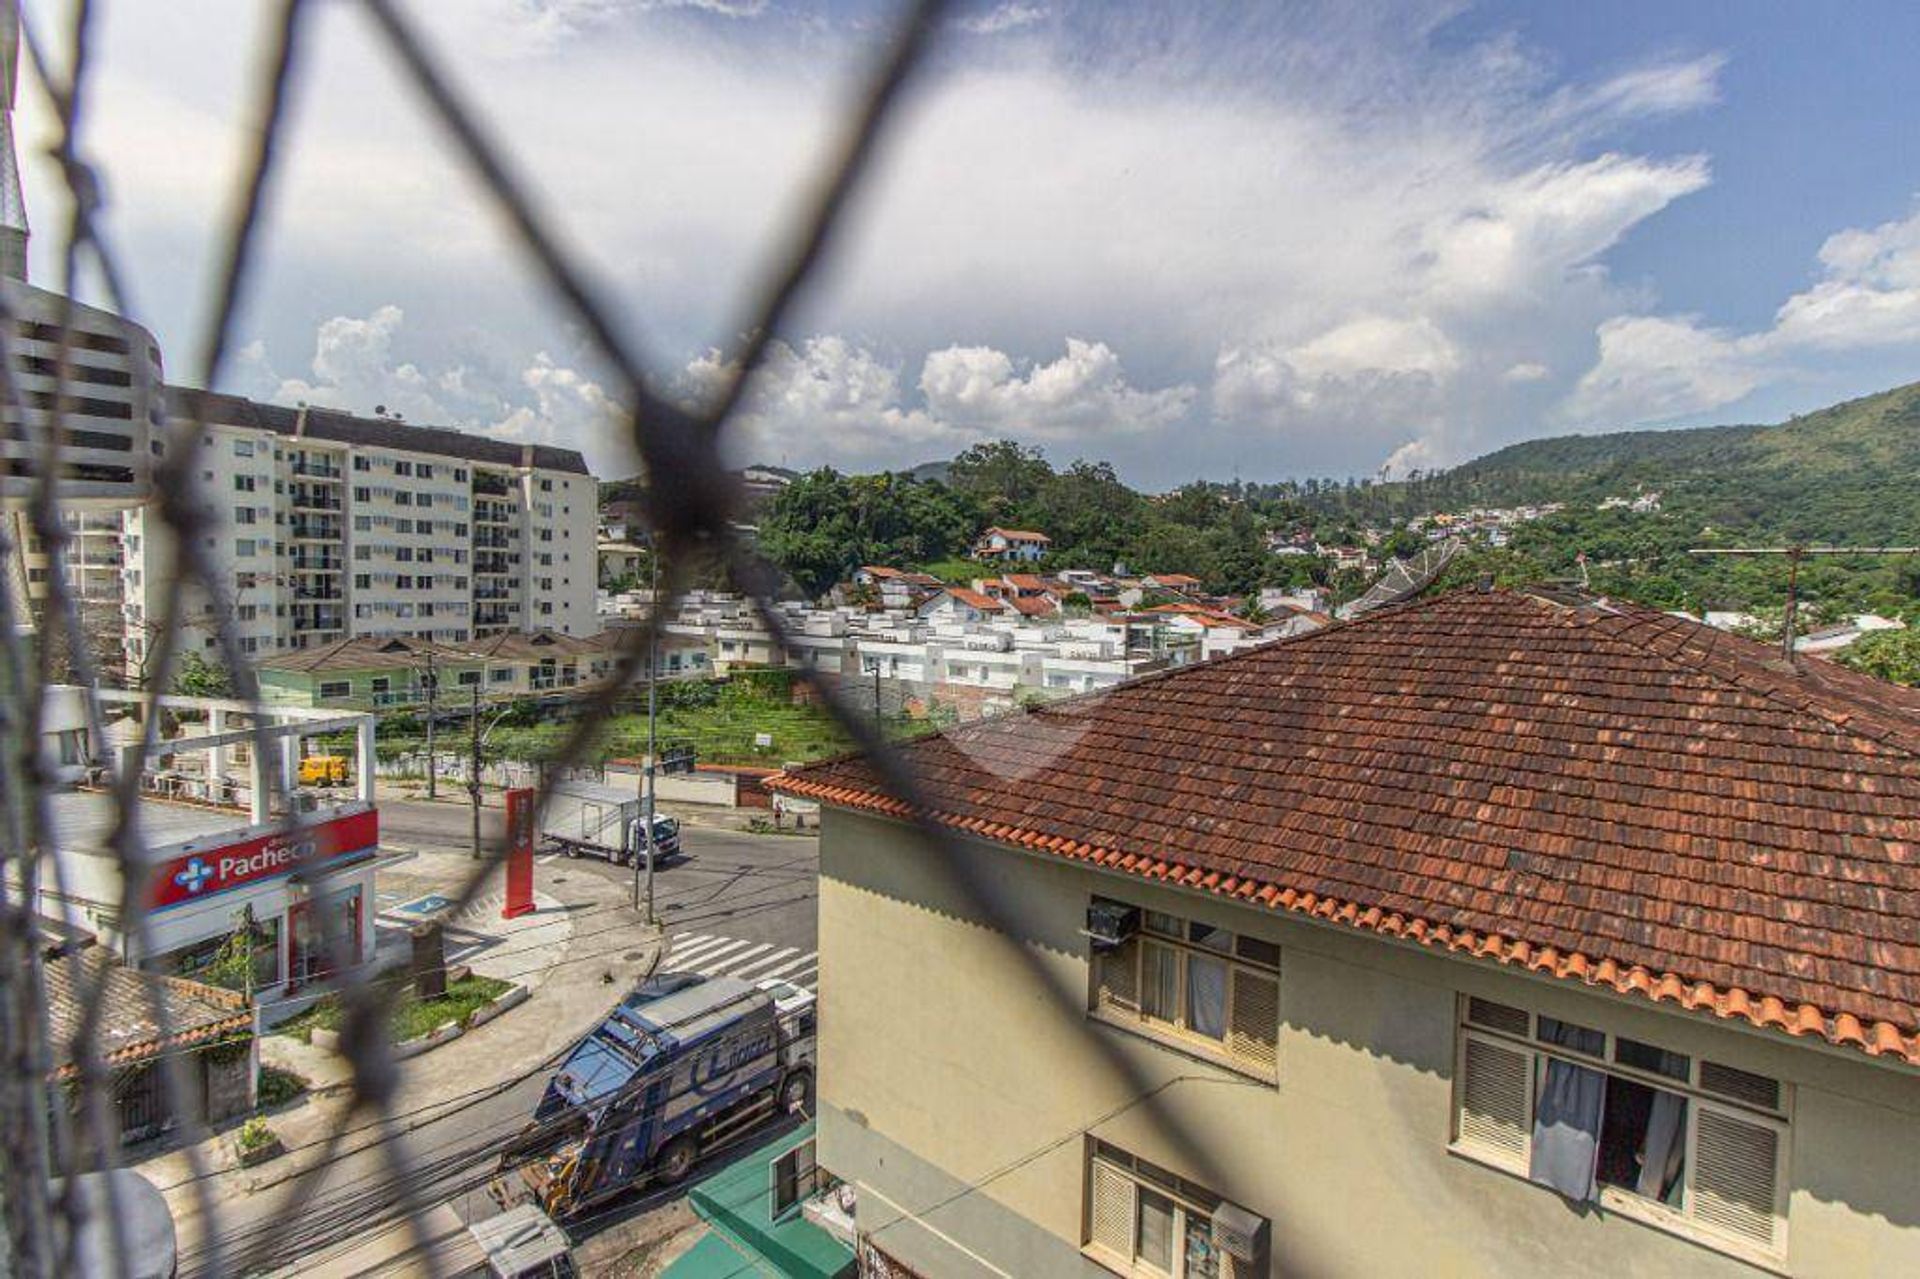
{"x":206,"y":872}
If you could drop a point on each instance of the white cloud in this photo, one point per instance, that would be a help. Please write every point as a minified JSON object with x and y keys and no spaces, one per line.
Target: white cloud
{"x":1870,"y":295}
{"x":1313,"y":233}
{"x":1008,"y":16}
{"x":355,"y":368}
{"x":1654,"y":368}
{"x":1083,"y":393}
{"x":849,"y":406}
{"x":1657,"y":368}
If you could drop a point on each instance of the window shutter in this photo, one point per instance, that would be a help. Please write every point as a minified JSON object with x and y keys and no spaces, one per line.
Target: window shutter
{"x":1120,"y":978}
{"x":1495,"y":1097}
{"x":1740,"y":1085}
{"x":1111,"y":1215}
{"x":1254,"y":1032}
{"x":1736,"y":1167}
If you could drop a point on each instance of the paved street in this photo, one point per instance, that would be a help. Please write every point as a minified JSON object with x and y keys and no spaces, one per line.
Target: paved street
{"x":733,"y":903}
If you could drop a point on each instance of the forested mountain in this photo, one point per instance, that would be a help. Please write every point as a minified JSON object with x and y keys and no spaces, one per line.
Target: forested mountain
{"x":1849,"y":473}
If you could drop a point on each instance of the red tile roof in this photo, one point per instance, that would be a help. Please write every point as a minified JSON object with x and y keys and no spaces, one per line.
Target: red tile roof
{"x":1032,"y":605}
{"x":985,"y":603}
{"x":1598,"y":792}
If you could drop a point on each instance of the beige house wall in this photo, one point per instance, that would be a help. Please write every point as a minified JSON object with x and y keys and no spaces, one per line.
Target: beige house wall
{"x":957,"y":1096}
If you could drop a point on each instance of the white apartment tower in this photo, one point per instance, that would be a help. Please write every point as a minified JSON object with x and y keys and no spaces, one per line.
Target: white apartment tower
{"x":87,"y":373}
{"x":327,"y":526}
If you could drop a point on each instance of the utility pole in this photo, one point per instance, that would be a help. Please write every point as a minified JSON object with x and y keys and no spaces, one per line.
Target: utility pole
{"x":877,"y":727}
{"x":433,"y":761}
{"x":1794,"y":555}
{"x":473,"y":770}
{"x":652,"y":763}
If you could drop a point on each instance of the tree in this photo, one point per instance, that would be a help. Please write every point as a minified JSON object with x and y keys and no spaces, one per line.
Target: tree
{"x":824,"y":525}
{"x":1002,"y":476}
{"x":196,"y":676}
{"x":1889,"y":655}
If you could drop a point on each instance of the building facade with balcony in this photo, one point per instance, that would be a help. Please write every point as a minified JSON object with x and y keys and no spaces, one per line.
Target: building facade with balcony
{"x":327,"y":527}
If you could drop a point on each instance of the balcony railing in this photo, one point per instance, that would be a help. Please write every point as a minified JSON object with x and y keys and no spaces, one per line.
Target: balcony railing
{"x":315,"y":530}
{"x":316,"y":469}
{"x":315,"y":500}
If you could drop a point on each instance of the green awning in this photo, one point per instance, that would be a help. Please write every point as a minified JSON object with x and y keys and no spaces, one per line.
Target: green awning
{"x":747,"y":1240}
{"x":714,"y":1258}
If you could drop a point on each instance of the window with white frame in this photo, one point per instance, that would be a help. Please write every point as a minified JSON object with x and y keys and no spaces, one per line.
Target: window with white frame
{"x":1144,"y":1220}
{"x":1688,"y":1144}
{"x":1206,"y":986}
{"x":334,"y":688}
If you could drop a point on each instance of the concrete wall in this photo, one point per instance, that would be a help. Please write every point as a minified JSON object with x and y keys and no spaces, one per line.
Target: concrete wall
{"x":957,"y":1097}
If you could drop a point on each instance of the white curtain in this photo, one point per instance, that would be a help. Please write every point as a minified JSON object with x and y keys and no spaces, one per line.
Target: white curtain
{"x":1207,"y":997}
{"x":1665,"y":1146}
{"x":1566,"y":1122}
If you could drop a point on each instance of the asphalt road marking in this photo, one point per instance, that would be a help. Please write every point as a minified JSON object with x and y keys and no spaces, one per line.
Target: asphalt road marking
{"x":715,"y":956}
{"x":785,"y":952}
{"x":731,"y":963}
{"x":700,"y":949}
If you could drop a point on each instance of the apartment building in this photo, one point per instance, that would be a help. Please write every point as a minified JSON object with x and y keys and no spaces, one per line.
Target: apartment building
{"x":325,"y":526}
{"x":1501,"y":934}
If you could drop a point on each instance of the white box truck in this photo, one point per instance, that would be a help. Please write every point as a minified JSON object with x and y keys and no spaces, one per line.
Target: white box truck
{"x":596,"y":820}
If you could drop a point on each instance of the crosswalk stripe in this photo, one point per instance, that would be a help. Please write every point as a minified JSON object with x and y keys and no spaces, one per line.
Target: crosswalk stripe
{"x":709,"y":954}
{"x":808,"y":976}
{"x":808,"y":960}
{"x":726,"y":964}
{"x":764,"y":960}
{"x":686,"y":948}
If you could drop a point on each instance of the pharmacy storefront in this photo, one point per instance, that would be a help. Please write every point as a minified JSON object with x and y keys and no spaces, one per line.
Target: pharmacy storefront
{"x":302,"y":925}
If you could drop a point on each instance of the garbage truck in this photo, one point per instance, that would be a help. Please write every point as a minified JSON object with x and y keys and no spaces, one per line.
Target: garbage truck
{"x":589,"y":819}
{"x":660,"y":1080}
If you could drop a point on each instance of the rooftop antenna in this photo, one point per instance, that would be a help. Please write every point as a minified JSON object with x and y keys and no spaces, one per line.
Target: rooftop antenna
{"x":1794,"y":555}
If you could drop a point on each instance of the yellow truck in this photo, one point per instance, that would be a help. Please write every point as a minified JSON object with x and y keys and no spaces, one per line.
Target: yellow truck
{"x":323,"y":770}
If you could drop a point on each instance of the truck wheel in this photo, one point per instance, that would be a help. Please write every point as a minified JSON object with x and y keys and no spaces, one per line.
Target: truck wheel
{"x":677,"y":1160}
{"x":569,"y":851}
{"x":796,"y":1094}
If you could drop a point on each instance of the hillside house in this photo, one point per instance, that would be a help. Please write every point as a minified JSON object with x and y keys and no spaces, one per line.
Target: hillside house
{"x":1501,"y":934}
{"x":1011,"y":544}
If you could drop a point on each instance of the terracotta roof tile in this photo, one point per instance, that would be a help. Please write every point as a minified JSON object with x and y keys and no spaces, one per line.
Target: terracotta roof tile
{"x":1601,"y":792}
{"x":128,"y":1030}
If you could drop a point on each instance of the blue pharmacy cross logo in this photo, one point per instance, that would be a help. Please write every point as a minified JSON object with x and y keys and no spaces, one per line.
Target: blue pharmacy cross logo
{"x":194,"y":876}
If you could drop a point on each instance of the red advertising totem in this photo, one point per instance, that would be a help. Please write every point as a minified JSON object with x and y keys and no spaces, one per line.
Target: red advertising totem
{"x":519,"y":853}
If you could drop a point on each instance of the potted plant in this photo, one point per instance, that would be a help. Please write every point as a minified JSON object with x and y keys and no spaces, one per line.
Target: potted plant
{"x":257,"y":1142}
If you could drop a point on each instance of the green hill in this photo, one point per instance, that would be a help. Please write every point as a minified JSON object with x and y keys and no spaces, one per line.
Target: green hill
{"x":1849,"y":473}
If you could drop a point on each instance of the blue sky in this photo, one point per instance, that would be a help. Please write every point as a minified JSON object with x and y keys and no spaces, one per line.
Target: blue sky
{"x":1259,"y":239}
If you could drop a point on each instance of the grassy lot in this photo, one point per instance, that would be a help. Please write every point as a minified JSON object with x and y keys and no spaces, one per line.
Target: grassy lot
{"x":723,"y":721}
{"x":957,"y":572}
{"x":411,"y":1017}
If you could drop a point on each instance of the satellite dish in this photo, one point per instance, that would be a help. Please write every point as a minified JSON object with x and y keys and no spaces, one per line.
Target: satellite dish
{"x":1404,"y":579}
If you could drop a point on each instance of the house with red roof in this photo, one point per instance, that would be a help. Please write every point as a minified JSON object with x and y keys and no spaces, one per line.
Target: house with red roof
{"x":1011,"y":545}
{"x":961,"y":604}
{"x":1496,"y":933}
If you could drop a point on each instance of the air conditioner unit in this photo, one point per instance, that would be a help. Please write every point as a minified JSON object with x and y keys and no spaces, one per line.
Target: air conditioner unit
{"x":1111,"y":924}
{"x":1240,"y":1240}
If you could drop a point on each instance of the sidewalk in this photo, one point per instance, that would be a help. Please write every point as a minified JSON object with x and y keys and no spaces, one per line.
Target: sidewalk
{"x":581,"y":944}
